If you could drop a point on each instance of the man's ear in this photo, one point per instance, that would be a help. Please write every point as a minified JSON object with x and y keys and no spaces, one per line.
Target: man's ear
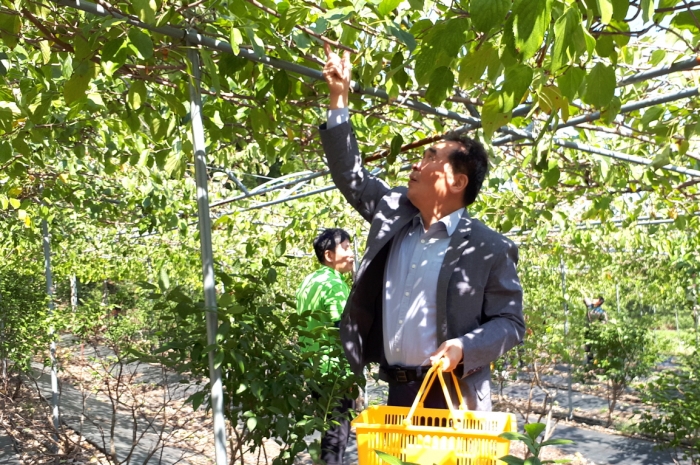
{"x":459,"y":182}
{"x":328,"y":256}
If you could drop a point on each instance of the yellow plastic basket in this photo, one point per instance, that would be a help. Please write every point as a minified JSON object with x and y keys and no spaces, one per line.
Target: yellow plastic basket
{"x":433,"y":436}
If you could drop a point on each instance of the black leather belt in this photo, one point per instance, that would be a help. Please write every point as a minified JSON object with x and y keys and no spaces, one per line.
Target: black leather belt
{"x":402,"y":375}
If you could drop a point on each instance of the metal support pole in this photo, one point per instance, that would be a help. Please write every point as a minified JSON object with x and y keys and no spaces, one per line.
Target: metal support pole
{"x":49,"y":292}
{"x":73,"y":292}
{"x":200,"y":168}
{"x":566,"y":332}
{"x":617,"y":294}
{"x":678,"y":332}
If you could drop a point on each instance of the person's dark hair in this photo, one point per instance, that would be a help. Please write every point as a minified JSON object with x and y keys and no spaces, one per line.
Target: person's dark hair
{"x":600,"y":297}
{"x":470,"y":159}
{"x":329,"y":239}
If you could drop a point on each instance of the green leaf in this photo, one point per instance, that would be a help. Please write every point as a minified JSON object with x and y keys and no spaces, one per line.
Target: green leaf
{"x":605,"y":7}
{"x":258,"y":45}
{"x":416,"y":4}
{"x":512,"y":460}
{"x":441,"y":83}
{"x":600,"y":85}
{"x":6,"y":152}
{"x":75,"y":88}
{"x":145,"y":10}
{"x":491,"y":116}
{"x":396,"y":144}
{"x":10,"y":26}
{"x":387,"y":6}
{"x":82,"y":48}
{"x":663,"y":158}
{"x":532,"y":461}
{"x":472,"y":66}
{"x":605,"y":46}
{"x":197,"y":399}
{"x":529,"y":21}
{"x":620,"y":8}
{"x":517,"y":81}
{"x":137,"y":94}
{"x":487,"y":14}
{"x":569,"y":40}
{"x":439,"y":47}
{"x":163,"y":280}
{"x":281,"y":248}
{"x":280,"y":84}
{"x":534,"y":429}
{"x":556,"y":442}
{"x":570,"y":82}
{"x":140,"y":42}
{"x":611,"y":111}
{"x":259,"y":120}
{"x":236,"y":40}
{"x":647,"y":9}
{"x":113,"y":55}
{"x":251,"y":423}
{"x":687,"y":20}
{"x":390,"y":459}
{"x":404,"y":36}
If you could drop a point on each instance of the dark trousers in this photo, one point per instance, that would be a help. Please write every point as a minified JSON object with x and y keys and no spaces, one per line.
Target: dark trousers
{"x":335,"y":440}
{"x":403,"y":394}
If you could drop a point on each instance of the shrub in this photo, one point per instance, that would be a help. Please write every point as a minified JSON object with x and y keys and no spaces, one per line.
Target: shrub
{"x":621,"y":351}
{"x":675,"y":401}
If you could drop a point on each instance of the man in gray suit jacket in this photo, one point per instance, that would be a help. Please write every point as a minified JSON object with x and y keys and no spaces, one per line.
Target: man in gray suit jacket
{"x":433,"y":283}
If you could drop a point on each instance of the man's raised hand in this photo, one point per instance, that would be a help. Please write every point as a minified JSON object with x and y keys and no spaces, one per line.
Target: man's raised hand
{"x":337,"y":74}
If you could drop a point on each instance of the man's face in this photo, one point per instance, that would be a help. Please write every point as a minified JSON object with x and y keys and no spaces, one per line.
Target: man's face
{"x":431,"y":178}
{"x":342,"y":259}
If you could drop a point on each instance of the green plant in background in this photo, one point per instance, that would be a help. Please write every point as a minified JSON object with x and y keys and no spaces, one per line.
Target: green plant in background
{"x":534,"y":448}
{"x":268,"y":380}
{"x":621,"y":351}
{"x":25,"y":325}
{"x":674,"y":400}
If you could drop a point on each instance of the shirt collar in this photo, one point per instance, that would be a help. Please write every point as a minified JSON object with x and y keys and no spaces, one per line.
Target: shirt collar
{"x":450,"y":221}
{"x":328,"y":270}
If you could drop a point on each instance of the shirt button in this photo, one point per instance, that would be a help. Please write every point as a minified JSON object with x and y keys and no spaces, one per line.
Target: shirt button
{"x":413,"y":265}
{"x":422,"y":241}
{"x":407,"y":294}
{"x":400,"y":322}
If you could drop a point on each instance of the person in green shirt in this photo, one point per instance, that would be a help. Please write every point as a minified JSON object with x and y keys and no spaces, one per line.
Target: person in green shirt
{"x":326,"y":292}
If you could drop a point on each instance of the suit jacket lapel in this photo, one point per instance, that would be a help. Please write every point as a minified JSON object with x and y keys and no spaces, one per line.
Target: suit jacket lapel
{"x":458,"y":242}
{"x":401,"y":218}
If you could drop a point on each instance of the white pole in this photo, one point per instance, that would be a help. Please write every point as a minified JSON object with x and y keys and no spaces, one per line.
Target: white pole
{"x":617,"y":293}
{"x":73,"y":292}
{"x":200,"y":168}
{"x":566,"y":331}
{"x":49,"y":292}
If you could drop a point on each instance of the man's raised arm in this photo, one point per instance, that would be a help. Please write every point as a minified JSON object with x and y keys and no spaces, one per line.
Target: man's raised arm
{"x":361,"y":189}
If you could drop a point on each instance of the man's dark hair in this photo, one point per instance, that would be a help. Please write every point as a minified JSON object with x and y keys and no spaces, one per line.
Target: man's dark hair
{"x":600,"y":297}
{"x":329,"y":239}
{"x":470,"y":159}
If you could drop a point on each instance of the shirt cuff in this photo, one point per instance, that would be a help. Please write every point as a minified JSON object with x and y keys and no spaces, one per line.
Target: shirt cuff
{"x":337,"y":117}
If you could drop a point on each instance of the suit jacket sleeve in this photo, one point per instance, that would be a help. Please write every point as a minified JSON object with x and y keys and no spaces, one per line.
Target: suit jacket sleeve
{"x":502,"y":313}
{"x":361,"y":189}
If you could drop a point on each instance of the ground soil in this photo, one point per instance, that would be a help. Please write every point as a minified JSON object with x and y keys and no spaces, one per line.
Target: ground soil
{"x":27,"y":419}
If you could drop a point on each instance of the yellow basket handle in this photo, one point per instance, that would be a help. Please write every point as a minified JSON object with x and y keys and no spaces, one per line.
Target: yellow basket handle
{"x":435,"y":371}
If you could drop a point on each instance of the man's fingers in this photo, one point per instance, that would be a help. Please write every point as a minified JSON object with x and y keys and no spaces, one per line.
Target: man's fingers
{"x":347,"y":66}
{"x":327,"y":48}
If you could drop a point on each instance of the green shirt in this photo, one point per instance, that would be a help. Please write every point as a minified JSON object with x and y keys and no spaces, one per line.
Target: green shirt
{"x":324,"y":289}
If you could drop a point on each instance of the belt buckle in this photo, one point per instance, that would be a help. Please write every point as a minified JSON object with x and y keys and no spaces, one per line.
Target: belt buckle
{"x":401,"y":376}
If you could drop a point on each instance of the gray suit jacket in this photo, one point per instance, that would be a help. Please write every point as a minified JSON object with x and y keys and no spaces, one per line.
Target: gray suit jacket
{"x":479,"y":297}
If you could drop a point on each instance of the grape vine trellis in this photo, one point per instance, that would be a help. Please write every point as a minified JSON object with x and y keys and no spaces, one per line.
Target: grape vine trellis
{"x":95,"y":113}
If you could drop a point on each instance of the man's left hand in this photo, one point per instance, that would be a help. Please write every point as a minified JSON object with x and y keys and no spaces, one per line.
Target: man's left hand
{"x":451,"y":351}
